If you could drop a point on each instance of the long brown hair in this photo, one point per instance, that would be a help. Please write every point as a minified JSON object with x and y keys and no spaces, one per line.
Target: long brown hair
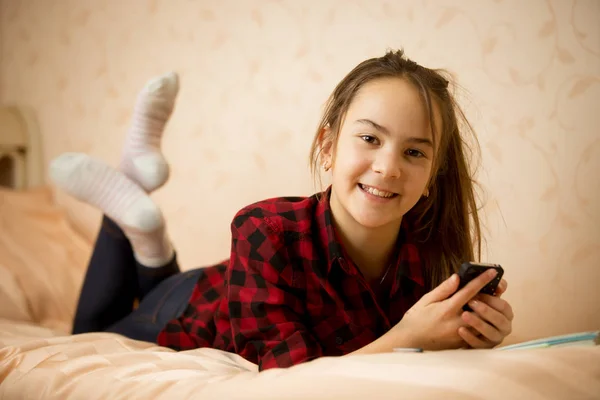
{"x":446,"y":223}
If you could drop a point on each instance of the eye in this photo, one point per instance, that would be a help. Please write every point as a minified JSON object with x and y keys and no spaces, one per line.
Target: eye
{"x":414,"y":153}
{"x":369,"y":139}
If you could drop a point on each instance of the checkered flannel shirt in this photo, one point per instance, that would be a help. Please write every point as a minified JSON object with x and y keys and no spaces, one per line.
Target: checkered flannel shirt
{"x":289,"y":292}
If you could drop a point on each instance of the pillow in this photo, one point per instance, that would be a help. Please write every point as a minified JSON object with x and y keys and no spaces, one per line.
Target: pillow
{"x":42,"y":259}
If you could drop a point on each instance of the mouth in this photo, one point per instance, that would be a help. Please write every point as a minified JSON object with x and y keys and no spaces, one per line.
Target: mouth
{"x":377,"y":192}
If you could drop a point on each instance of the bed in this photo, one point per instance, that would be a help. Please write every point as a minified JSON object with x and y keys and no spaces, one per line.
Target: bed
{"x":42,"y":261}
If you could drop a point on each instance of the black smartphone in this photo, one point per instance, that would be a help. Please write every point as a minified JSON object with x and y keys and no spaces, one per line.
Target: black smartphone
{"x":471,"y":270}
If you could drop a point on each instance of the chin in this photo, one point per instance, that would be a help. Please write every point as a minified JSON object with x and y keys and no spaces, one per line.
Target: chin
{"x":374,"y":221}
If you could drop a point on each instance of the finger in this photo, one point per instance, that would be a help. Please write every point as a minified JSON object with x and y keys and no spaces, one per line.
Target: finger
{"x":491,"y":316}
{"x":443,"y":290}
{"x":489,"y":332}
{"x":474,"y":331}
{"x":465,"y":294}
{"x":501,"y":289}
{"x":473,"y":341}
{"x":498,"y":304}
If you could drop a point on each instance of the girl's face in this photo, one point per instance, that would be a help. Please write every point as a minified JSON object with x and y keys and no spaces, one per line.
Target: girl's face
{"x":383,"y":158}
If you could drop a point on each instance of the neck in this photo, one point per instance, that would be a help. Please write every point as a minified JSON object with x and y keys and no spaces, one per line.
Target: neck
{"x":369,"y":248}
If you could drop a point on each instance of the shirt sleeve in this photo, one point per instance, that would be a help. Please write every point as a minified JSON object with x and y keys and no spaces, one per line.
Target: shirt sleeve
{"x":265,"y":309}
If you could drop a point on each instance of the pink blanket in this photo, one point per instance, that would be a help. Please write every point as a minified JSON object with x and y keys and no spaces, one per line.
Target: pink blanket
{"x":41,"y":266}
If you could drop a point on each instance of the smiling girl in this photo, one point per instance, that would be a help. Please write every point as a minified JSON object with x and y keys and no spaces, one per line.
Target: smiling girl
{"x":365,"y":266}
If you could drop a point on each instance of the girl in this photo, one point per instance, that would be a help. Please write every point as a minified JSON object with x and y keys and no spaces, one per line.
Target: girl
{"x":363,"y":267}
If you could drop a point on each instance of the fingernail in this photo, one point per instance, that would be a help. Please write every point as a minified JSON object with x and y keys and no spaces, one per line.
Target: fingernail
{"x":492,"y":273}
{"x":473,"y":303}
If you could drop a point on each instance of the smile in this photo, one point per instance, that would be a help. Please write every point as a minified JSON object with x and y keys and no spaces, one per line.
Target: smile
{"x":376,"y":192}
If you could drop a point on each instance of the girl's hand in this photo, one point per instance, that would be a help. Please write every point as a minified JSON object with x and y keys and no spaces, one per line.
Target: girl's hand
{"x":434,"y":322}
{"x":502,"y":286}
{"x":490,"y":322}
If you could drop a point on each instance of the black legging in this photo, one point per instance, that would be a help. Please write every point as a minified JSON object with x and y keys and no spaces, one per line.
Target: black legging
{"x":114,"y":280}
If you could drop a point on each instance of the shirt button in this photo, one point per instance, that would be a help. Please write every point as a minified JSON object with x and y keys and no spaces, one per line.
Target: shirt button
{"x":339,"y":341}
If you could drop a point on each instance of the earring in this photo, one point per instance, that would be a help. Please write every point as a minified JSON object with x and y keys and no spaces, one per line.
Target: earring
{"x":426,"y":194}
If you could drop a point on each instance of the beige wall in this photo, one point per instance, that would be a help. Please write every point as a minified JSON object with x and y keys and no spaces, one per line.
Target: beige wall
{"x":255,"y":74}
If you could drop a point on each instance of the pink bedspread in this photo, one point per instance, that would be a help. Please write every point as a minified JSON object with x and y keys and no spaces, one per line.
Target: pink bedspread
{"x":41,"y":265}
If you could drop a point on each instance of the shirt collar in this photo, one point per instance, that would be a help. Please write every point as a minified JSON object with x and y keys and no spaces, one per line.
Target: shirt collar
{"x":327,"y":234}
{"x":408,"y":262}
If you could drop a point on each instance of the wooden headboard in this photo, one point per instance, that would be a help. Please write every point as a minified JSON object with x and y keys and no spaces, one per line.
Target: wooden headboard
{"x":21,"y":163}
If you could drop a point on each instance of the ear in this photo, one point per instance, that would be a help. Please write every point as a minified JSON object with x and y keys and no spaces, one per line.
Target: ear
{"x":326,"y":144}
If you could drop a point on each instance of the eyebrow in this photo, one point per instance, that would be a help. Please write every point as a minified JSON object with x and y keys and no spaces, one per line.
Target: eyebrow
{"x":386,"y":131}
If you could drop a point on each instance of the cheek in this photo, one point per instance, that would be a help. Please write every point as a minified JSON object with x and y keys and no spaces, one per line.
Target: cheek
{"x":417,"y":177}
{"x":350,"y":161}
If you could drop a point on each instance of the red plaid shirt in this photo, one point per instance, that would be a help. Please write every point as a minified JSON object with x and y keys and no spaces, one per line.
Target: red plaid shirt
{"x":289,"y":293}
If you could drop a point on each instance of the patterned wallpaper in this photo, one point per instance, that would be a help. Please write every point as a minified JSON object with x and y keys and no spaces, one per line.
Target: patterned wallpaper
{"x":256,"y":73}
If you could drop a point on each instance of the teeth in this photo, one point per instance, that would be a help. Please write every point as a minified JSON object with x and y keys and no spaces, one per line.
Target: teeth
{"x":376,"y":192}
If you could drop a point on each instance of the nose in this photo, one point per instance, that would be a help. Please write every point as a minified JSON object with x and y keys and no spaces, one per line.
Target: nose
{"x":388,"y":164}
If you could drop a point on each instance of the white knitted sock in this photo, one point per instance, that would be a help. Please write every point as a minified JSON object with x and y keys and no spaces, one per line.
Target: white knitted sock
{"x":121,"y":199}
{"x":142,"y":159}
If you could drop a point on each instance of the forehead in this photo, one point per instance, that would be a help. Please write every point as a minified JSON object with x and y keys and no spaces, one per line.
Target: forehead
{"x":394,"y":103}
